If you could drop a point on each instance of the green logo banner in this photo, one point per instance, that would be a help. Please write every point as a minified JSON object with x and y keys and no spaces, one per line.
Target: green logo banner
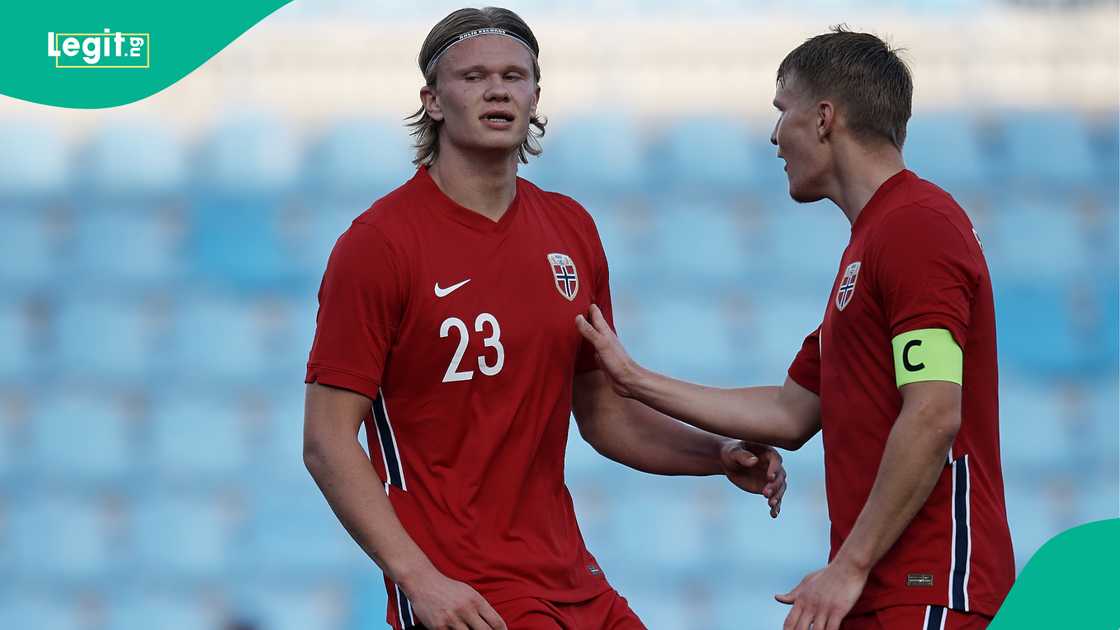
{"x":76,"y":54}
{"x":1069,"y":583}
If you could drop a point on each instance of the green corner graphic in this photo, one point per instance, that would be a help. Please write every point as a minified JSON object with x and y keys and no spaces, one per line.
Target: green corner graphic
{"x":1069,"y":583}
{"x":134,"y":49}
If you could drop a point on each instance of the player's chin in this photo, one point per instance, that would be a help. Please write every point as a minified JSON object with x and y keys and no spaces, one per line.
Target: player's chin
{"x":803,"y":194}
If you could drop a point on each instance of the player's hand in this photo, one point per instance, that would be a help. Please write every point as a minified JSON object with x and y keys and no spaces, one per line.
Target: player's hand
{"x":824,"y":598}
{"x":755,"y":468}
{"x":612,"y":357}
{"x":440,"y":603}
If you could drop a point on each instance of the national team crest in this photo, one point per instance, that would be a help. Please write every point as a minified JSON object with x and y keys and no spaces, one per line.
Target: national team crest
{"x":847,"y":285}
{"x":564,"y":274}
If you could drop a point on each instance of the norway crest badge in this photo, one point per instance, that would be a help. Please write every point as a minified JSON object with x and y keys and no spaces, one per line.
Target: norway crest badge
{"x":564,"y":275}
{"x":847,"y":285}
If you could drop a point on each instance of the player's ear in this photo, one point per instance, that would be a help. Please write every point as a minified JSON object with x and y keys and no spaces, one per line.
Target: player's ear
{"x":826,"y":119}
{"x":430,"y":100}
{"x":536,"y":99}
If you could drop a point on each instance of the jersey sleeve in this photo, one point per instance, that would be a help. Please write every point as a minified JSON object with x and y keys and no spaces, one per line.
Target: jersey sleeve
{"x":806,"y":367}
{"x":925,"y":271}
{"x":601,"y":297}
{"x":360,"y":309}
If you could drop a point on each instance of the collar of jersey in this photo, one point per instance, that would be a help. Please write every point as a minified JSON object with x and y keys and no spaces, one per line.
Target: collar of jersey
{"x":465,"y":216}
{"x":878,"y":200}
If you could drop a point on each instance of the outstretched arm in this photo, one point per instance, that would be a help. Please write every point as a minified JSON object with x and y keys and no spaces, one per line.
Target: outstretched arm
{"x":785,"y":416}
{"x":643,"y":438}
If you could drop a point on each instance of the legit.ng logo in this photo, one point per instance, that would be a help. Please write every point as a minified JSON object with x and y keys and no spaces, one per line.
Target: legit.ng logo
{"x":100,"y":50}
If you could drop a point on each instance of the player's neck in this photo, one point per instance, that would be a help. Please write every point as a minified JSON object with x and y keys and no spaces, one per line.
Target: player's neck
{"x":484,"y":183}
{"x":859,"y":173}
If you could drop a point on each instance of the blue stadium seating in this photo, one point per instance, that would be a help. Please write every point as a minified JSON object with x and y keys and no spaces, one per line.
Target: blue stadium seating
{"x":139,"y":246}
{"x":39,"y":610}
{"x":106,"y":337}
{"x":943,"y":148}
{"x":360,"y":160}
{"x":174,"y":611}
{"x":78,"y":438}
{"x":139,"y":160}
{"x":1047,"y":147}
{"x":28,"y":248}
{"x":590,"y":154}
{"x":705,"y":156}
{"x":16,"y":357}
{"x":183,"y":537}
{"x":198,"y":437}
{"x":157,"y":320}
{"x":60,"y":539}
{"x":34,"y":162}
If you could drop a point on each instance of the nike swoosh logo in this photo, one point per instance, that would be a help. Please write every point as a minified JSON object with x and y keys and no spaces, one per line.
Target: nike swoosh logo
{"x":441,"y":292}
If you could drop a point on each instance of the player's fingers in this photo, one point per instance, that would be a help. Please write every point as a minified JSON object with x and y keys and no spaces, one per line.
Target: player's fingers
{"x":793,"y":618}
{"x":744,"y":457}
{"x":491,"y":616}
{"x":587,"y":329}
{"x":598,"y":320}
{"x":833,"y":623}
{"x":789,"y":598}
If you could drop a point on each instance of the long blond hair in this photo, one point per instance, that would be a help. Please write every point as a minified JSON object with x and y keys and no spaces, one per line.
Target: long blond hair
{"x":425,"y":130}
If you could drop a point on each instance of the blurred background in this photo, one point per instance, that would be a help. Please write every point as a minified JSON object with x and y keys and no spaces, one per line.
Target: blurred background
{"x":159,"y":264}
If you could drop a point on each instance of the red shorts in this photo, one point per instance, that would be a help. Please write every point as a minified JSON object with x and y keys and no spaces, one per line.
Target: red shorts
{"x":606,"y":611}
{"x":916,"y":618}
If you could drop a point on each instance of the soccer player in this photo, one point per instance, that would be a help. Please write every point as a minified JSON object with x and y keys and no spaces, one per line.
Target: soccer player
{"x":444,"y":325}
{"x":900,"y":377}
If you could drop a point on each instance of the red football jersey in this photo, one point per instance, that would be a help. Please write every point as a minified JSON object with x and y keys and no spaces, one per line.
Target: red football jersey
{"x":913,"y":262}
{"x":462,"y":331}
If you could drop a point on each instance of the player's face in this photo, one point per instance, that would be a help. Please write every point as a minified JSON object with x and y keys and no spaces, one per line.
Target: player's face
{"x":799,"y":142}
{"x":485,"y":94}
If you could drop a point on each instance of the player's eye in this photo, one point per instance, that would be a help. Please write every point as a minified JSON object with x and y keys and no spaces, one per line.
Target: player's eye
{"x":513,"y":76}
{"x":472,"y":76}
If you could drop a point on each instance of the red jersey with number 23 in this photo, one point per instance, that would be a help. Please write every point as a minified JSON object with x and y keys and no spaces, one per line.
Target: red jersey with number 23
{"x":462,"y":331}
{"x":913,"y":262}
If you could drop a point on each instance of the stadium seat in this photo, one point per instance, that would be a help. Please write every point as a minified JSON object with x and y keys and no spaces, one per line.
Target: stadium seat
{"x":220,"y":338}
{"x":296,"y":510}
{"x":44,"y":610}
{"x":174,"y":611}
{"x":28,"y":248}
{"x":249,"y":155}
{"x":699,"y":244}
{"x":806,"y":242}
{"x":687,"y":337}
{"x":34,"y":161}
{"x":198,"y":437}
{"x":704,"y":156}
{"x":200,"y":526}
{"x":360,"y":159}
{"x":142,"y":159}
{"x":241,"y":241}
{"x":58,"y":539}
{"x":153,"y":255}
{"x":320,"y":605}
{"x":79,"y":438}
{"x":942,"y":147}
{"x":1019,"y":221}
{"x":1033,"y":425}
{"x":588,"y":155}
{"x":107,"y":337}
{"x":1047,"y":148}
{"x":16,"y":346}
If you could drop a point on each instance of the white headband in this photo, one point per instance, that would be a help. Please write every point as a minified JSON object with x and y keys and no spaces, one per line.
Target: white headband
{"x":472,"y":34}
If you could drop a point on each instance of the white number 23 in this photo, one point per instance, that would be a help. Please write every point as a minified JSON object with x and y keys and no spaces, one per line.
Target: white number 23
{"x":492,"y":341}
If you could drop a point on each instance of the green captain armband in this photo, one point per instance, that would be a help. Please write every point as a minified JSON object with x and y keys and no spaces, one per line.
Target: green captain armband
{"x":929,"y":354}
